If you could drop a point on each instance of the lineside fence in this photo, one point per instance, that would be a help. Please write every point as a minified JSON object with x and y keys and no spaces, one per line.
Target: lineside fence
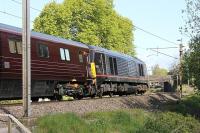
{"x":12,"y":120}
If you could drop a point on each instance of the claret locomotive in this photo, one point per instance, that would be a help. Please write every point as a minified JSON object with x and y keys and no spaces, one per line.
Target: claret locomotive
{"x":65,"y":67}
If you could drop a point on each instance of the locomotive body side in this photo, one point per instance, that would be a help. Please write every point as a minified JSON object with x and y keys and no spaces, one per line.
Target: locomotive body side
{"x":118,"y":73}
{"x":53,"y":61}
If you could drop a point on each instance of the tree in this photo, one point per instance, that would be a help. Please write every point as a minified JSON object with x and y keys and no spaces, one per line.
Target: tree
{"x":157,"y":71}
{"x":192,"y":18}
{"x":191,"y":65}
{"x":93,"y":22}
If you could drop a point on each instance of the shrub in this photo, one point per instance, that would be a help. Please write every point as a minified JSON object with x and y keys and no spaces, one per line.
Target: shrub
{"x":170,"y":122}
{"x":188,"y":106}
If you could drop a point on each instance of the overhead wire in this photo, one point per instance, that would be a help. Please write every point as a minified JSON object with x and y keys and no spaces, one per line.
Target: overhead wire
{"x":147,"y":32}
{"x":162,"y":38}
{"x":20,"y":3}
{"x":137,"y":27}
{"x":13,"y":15}
{"x":163,"y":48}
{"x":163,"y":54}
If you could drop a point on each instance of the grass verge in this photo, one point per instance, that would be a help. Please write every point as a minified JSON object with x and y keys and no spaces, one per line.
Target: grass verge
{"x":124,"y":121}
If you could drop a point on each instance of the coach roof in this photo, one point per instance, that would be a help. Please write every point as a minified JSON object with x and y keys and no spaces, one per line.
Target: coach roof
{"x":42,"y":36}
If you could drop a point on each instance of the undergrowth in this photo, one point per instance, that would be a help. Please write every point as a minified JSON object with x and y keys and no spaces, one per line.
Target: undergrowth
{"x":123,"y":121}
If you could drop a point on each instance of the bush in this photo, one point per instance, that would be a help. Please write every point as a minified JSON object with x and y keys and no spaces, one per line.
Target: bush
{"x":188,"y":106}
{"x":170,"y":122}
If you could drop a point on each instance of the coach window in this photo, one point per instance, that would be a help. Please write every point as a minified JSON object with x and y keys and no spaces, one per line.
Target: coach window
{"x":64,"y":54}
{"x":15,"y":46}
{"x":80,"y":56}
{"x":43,"y":51}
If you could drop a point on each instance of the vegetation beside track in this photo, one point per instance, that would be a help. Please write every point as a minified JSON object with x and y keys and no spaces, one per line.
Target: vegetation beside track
{"x":189,"y":105}
{"x":123,"y":121}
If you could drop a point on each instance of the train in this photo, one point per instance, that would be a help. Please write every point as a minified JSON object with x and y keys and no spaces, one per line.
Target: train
{"x":62,"y":67}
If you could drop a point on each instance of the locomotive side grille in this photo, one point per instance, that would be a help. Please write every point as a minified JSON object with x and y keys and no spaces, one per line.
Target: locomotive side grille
{"x":1,"y":61}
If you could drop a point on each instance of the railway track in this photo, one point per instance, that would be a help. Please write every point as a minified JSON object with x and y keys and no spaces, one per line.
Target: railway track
{"x":74,"y":100}
{"x":149,"y":102}
{"x":56,"y":101}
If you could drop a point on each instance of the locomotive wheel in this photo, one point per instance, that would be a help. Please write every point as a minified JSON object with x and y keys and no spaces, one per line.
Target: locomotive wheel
{"x":58,"y":97}
{"x":111,"y":94}
{"x":101,"y":92}
{"x":120,"y":94}
{"x":136,"y":92}
{"x":92,"y":96}
{"x":80,"y":97}
{"x":35,"y":99}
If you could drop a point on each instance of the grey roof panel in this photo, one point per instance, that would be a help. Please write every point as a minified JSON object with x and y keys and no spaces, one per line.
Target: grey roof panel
{"x":42,"y":36}
{"x":117,"y":54}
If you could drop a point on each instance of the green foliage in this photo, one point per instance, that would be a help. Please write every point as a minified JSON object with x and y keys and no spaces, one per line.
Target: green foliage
{"x":192,"y":17}
{"x":191,"y":64}
{"x":170,"y":122}
{"x":61,"y":123}
{"x":99,"y":122}
{"x":124,"y":121}
{"x":157,"y":71}
{"x":93,"y":22}
{"x":191,"y":67}
{"x":188,"y":106}
{"x":194,"y":61}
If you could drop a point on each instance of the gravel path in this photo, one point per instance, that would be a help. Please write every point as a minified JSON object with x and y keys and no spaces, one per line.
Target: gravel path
{"x":149,"y":102}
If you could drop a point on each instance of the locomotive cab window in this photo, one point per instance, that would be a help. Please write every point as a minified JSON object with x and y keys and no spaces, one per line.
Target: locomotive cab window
{"x":15,"y":46}
{"x":64,"y":54}
{"x":43,"y":51}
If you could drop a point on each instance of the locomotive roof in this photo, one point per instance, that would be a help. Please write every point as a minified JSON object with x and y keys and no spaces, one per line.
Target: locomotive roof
{"x":116,"y":54}
{"x":42,"y":36}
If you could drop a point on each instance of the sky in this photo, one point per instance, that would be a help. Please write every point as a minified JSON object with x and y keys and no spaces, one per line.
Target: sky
{"x":160,"y":17}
